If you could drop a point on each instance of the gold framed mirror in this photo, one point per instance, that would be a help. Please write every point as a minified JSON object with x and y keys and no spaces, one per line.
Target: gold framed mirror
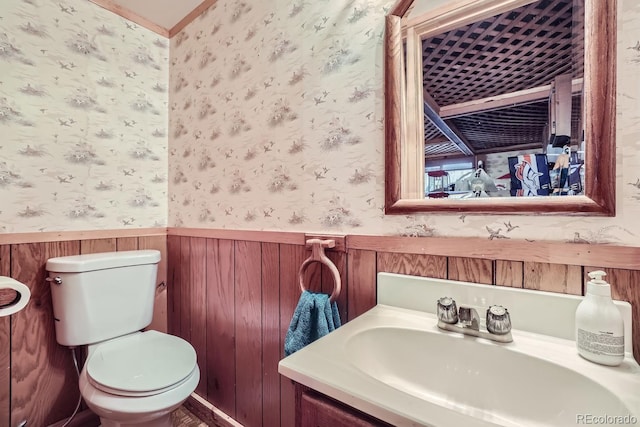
{"x":407,"y":109}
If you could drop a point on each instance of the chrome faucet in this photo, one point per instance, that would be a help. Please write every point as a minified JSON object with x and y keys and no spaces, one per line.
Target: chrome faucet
{"x":469,"y":318}
{"x":466,"y":320}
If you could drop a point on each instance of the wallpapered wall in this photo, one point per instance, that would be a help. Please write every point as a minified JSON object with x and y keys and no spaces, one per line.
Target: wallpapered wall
{"x":275,"y":117}
{"x":276,"y":123}
{"x":83,"y":119}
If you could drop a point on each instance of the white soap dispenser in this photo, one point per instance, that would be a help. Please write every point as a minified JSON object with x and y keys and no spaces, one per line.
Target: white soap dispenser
{"x":599,"y":324}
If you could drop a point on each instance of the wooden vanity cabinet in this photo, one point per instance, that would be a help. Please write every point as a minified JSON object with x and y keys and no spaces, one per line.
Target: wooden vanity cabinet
{"x":314,"y":409}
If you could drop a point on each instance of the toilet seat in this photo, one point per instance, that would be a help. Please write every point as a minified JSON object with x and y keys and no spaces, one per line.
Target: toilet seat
{"x":141,"y":364}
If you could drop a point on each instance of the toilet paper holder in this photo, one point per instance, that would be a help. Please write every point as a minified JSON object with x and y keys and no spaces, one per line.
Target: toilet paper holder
{"x":23,"y":294}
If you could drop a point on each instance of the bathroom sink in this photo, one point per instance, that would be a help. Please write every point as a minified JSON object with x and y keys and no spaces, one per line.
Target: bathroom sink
{"x":493,"y":382}
{"x":394,"y":363}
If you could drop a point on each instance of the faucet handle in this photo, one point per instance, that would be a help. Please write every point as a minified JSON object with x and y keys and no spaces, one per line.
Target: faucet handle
{"x":498,"y":320}
{"x":447,"y":310}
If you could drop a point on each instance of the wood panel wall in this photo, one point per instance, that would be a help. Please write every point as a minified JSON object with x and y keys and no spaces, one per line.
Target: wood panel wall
{"x":5,"y":344}
{"x":38,"y":382}
{"x":233,"y":298}
{"x":232,"y":295}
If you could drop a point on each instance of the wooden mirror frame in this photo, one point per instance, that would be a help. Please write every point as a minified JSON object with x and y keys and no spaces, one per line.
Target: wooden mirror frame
{"x":599,"y":127}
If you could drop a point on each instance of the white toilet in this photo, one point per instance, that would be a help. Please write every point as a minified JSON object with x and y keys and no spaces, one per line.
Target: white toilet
{"x":130,"y":378}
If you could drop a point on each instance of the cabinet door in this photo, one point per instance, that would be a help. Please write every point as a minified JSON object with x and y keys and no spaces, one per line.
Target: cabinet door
{"x":319,"y":411}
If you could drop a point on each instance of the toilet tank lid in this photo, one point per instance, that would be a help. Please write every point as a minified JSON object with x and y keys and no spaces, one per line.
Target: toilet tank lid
{"x":101,"y":261}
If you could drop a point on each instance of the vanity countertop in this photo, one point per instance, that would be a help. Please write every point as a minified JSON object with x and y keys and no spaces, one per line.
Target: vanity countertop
{"x":395,"y":364}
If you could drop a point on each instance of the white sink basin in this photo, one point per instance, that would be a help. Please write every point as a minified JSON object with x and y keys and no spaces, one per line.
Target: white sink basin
{"x":395,"y":364}
{"x":480,"y":378}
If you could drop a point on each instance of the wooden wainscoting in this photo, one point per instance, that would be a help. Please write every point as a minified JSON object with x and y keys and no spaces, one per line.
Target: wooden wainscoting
{"x":233,"y":300}
{"x":232,"y":296}
{"x":38,"y":382}
{"x":5,"y":345}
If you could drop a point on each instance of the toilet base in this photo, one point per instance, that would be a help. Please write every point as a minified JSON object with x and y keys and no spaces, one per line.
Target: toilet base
{"x":163,"y":421}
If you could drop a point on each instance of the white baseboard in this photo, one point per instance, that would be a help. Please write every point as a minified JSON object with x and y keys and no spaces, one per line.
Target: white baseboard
{"x":208,"y":413}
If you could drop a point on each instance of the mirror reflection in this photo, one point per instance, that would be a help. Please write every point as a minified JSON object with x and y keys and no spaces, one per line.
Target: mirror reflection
{"x":502,"y":99}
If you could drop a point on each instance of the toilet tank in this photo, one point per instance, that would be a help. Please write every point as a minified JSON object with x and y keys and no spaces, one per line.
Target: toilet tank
{"x":102,"y":296}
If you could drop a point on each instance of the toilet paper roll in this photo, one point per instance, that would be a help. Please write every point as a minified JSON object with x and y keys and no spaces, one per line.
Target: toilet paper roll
{"x":21,"y":300}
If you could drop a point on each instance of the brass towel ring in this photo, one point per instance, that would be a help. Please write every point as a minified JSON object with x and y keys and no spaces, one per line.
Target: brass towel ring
{"x":318,"y":255}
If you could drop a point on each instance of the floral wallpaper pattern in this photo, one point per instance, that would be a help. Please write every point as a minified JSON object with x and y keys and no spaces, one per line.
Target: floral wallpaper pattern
{"x":271,"y":119}
{"x":273,"y":105}
{"x":83,"y":119}
{"x":277,"y":124}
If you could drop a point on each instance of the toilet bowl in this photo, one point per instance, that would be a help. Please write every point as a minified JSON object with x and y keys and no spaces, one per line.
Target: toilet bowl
{"x":104,"y":300}
{"x":126,"y":381}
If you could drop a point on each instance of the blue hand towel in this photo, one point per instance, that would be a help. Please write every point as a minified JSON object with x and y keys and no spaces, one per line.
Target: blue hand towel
{"x":315,"y":317}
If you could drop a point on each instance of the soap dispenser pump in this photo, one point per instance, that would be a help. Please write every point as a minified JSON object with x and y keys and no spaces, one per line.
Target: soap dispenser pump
{"x":599,"y":324}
